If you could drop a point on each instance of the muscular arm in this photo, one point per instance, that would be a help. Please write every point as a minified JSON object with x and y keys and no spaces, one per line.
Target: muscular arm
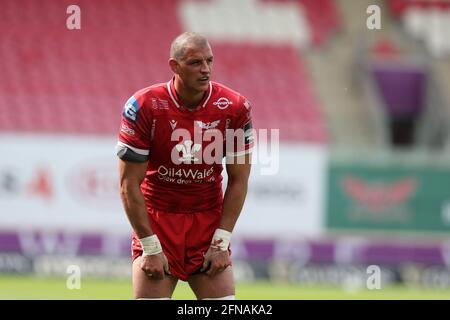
{"x":131,"y":175}
{"x":218,"y":259}
{"x":235,"y":192}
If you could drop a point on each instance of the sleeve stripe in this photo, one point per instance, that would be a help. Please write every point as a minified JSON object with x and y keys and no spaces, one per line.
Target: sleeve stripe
{"x":142,"y":152}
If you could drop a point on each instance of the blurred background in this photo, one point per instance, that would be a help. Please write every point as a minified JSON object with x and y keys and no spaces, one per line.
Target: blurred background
{"x":359,"y":89}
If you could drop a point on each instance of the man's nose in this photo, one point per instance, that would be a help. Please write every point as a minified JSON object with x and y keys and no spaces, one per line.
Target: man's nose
{"x":205,"y":67}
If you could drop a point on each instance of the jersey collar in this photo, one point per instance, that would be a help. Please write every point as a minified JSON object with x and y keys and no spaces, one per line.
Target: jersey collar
{"x":174,"y":96}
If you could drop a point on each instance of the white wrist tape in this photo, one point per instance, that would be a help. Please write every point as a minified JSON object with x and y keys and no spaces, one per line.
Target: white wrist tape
{"x":221,"y":239}
{"x":150,"y":245}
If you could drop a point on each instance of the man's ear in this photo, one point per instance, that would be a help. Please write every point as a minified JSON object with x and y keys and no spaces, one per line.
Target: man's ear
{"x":173,"y":64}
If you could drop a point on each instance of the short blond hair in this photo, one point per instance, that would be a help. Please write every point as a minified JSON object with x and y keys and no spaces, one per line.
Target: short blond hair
{"x":183,"y":41}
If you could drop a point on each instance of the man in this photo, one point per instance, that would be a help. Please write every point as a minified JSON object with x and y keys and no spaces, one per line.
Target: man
{"x":172,"y":140}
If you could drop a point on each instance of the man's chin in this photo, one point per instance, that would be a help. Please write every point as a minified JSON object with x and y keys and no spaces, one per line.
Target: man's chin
{"x":203,"y":86}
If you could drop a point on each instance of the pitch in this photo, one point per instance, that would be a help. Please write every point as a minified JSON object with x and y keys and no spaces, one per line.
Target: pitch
{"x":37,"y":288}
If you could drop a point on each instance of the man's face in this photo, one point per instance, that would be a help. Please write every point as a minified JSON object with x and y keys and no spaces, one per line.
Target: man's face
{"x":194,"y":68}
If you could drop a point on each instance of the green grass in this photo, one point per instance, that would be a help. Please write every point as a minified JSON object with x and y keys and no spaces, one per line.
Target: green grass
{"x":20,"y":287}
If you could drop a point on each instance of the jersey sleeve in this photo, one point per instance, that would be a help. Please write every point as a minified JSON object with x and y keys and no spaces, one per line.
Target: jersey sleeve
{"x":135,"y":131}
{"x":243,"y":140}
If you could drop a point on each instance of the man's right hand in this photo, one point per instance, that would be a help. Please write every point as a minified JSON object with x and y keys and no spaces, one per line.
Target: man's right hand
{"x":155,"y":266}
{"x":154,"y":261}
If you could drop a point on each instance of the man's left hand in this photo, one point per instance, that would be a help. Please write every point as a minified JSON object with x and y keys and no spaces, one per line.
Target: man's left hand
{"x":217,"y":260}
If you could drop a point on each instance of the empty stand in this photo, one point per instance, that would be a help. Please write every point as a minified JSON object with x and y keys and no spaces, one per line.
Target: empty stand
{"x":56,"y":80}
{"x":323,"y":17}
{"x":62,"y":81}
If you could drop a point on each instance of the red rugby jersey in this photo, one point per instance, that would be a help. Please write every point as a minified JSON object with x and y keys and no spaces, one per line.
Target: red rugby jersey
{"x":185,"y":148}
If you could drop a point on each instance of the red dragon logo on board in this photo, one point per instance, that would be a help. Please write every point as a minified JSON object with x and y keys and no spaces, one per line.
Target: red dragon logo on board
{"x":379,"y":196}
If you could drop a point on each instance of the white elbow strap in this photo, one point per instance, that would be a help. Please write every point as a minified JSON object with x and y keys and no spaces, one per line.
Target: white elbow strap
{"x":221,"y":239}
{"x":150,"y":245}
